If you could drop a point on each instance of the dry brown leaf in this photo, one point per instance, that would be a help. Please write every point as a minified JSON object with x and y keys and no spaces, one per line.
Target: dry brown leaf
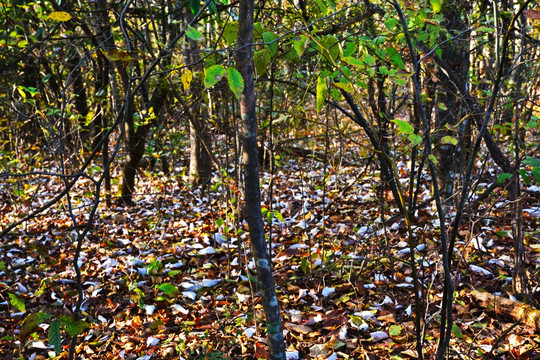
{"x":302,"y":329}
{"x":532,"y":14}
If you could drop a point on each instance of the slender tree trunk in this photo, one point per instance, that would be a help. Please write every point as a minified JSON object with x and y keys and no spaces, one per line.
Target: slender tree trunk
{"x":520,"y":281}
{"x":244,"y":59}
{"x":200,"y":138}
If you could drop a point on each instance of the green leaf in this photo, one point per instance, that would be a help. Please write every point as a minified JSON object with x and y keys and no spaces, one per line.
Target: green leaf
{"x":269,"y":216}
{"x":395,"y":57}
{"x":261,"y":59}
{"x":269,"y":38}
{"x":299,"y":44}
{"x":16,"y":302}
{"x":368,"y":59}
{"x":394,"y":330}
{"x":433,"y":159}
{"x":195,"y":6}
{"x":168,"y":289}
{"x":54,"y":336}
{"x":536,"y":174}
{"x":357,"y":63}
{"x":194,"y":34}
{"x":449,"y":140}
{"x":321,"y":93}
{"x":213,"y":75}
{"x":344,"y":86}
{"x":278,"y":216}
{"x":331,"y":44}
{"x":404,"y":127}
{"x":73,"y":326}
{"x":436,"y":5}
{"x":534,"y":162}
{"x":174,"y":273}
{"x":212,"y":7}
{"x":415,"y":139}
{"x":391,"y":23}
{"x":485,"y":29}
{"x":230,"y":33}
{"x":236,"y":82}
{"x":525,"y":176}
{"x":304,"y":265}
{"x":503,"y":177}
{"x":456,"y":330}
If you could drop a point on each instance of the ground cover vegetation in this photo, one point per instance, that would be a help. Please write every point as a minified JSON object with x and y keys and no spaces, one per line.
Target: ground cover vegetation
{"x":269,"y":180}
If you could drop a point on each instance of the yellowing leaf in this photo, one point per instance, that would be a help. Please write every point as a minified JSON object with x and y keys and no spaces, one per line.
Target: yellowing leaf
{"x":404,"y":127}
{"x":16,"y":302}
{"x":59,"y":16}
{"x":449,"y":140}
{"x":321,"y":93}
{"x":394,"y":330}
{"x":436,"y":4}
{"x":261,"y":59}
{"x":186,"y":78}
{"x":120,"y":55}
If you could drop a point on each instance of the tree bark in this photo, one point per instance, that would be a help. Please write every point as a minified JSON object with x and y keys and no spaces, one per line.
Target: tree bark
{"x":200,"y":138}
{"x":516,"y":310}
{"x":244,"y":60}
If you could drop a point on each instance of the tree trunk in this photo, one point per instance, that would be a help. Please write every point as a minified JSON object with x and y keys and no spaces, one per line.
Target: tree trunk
{"x":244,"y":59}
{"x":450,"y":111}
{"x":136,"y":139}
{"x":200,"y":138}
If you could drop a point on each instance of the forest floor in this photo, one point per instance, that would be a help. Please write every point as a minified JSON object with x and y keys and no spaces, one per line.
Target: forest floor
{"x":167,"y":278}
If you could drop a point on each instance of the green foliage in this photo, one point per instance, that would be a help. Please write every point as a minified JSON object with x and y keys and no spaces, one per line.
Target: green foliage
{"x":262,"y":59}
{"x":55,"y":338}
{"x":194,"y":34}
{"x":456,"y":330}
{"x":16,"y":302}
{"x":168,"y":289}
{"x":71,"y":325}
{"x":154,"y":267}
{"x":407,"y":130}
{"x":213,"y":75}
{"x":236,"y":82}
{"x":534,"y":163}
{"x":195,"y":6}
{"x":270,"y":39}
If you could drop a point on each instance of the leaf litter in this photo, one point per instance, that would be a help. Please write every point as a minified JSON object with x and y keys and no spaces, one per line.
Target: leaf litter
{"x":173,"y":277}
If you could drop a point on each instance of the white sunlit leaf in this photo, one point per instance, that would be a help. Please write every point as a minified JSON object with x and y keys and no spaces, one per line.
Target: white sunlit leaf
{"x":152,"y":341}
{"x":327,"y":291}
{"x":190,"y":295}
{"x":210,"y":282}
{"x":292,"y":355}
{"x":378,"y":336}
{"x":207,"y":251}
{"x":249,"y":332}
{"x":179,"y":309}
{"x":480,"y":270}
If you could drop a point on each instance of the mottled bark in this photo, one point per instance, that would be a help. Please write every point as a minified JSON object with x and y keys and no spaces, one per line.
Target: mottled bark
{"x":244,"y":59}
{"x":200,"y":138}
{"x":136,"y":141}
{"x":450,"y":106}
